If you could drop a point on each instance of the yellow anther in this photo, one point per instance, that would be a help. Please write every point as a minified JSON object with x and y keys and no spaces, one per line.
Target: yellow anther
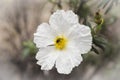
{"x":60,"y":42}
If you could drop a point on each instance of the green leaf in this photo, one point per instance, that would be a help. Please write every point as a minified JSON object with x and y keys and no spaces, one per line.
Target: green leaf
{"x":95,"y":50}
{"x":102,"y":43}
{"x":29,"y":48}
{"x":26,"y":52}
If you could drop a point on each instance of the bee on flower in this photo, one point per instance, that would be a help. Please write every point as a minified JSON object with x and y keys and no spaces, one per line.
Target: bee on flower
{"x":61,"y":42}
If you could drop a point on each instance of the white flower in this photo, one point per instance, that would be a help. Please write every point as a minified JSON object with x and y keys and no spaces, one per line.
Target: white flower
{"x":62,"y":41}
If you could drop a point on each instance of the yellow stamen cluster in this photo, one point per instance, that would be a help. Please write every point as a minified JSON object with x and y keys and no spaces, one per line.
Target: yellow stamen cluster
{"x":60,"y":42}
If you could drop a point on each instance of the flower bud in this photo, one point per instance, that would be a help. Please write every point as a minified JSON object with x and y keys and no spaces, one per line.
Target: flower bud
{"x":98,"y":18}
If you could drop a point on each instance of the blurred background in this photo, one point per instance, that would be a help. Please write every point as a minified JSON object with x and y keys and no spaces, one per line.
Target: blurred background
{"x":19,"y":20}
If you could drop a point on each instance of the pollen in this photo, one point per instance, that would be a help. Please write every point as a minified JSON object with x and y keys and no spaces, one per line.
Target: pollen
{"x":60,"y":42}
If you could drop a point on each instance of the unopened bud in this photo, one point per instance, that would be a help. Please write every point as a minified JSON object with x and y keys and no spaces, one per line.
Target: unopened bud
{"x":98,"y":18}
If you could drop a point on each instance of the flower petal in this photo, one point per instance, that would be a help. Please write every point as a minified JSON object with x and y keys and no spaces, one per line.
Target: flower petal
{"x":75,"y":54}
{"x":44,"y":36}
{"x":61,"y":21}
{"x":71,"y":17}
{"x":46,"y":58}
{"x":81,"y":36}
{"x":68,"y":59}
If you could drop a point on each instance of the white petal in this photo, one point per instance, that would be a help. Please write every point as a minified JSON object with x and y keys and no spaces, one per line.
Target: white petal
{"x":67,"y":60}
{"x":75,"y":54}
{"x":81,"y":36}
{"x":71,"y":17}
{"x":44,"y":36}
{"x":46,"y":58}
{"x":61,"y":21}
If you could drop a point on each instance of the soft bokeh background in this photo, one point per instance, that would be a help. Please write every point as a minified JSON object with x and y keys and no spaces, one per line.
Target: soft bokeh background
{"x":19,"y":20}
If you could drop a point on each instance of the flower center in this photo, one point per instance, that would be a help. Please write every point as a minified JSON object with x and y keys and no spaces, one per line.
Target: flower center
{"x":60,"y":42}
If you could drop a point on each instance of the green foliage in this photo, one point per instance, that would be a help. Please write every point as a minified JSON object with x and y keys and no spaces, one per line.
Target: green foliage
{"x":83,"y":10}
{"x":73,"y":3}
{"x":91,"y":58}
{"x":102,"y":43}
{"x":29,"y":49}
